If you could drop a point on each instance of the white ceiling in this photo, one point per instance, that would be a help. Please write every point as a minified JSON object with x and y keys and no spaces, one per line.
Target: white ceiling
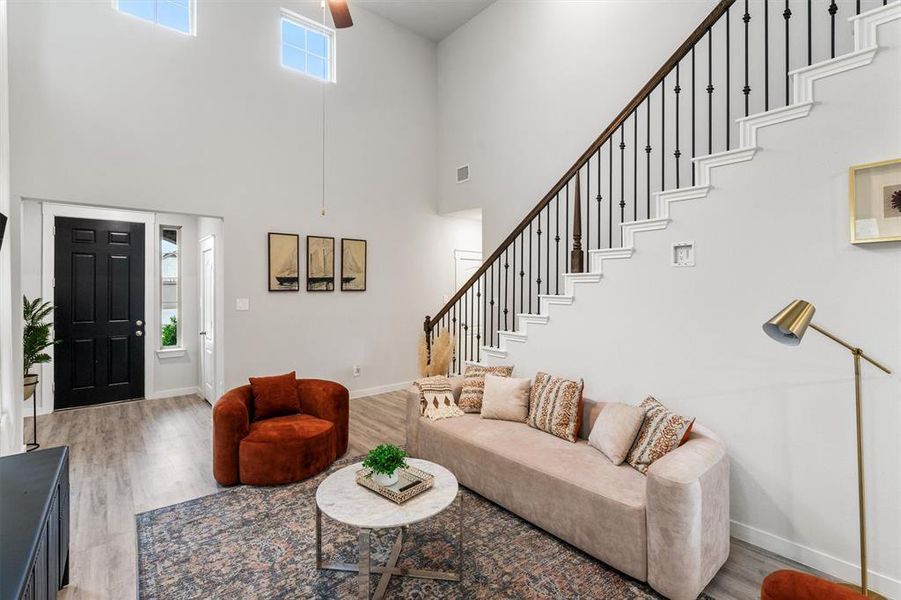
{"x":434,"y":19}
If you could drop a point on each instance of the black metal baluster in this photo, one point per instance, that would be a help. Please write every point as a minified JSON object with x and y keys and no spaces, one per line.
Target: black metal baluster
{"x":566,"y":228}
{"x":663,"y":134}
{"x":557,"y":248}
{"x":677,"y":90}
{"x":499,"y":292}
{"x":480,"y":325}
{"x":647,"y":149}
{"x":465,"y":317}
{"x":857,"y":8}
{"x":710,"y":91}
{"x":588,"y":204}
{"x":538,"y":254}
{"x":506,"y":287}
{"x":513,"y":294}
{"x":635,"y":165}
{"x":491,"y":306}
{"x":472,"y":310}
{"x":456,"y":335}
{"x":693,"y":119}
{"x":787,"y":15}
{"x":728,"y":83}
{"x":599,"y":198}
{"x":522,"y":273}
{"x":809,"y":32}
{"x":766,"y":55}
{"x":622,"y":182}
{"x":610,"y":193}
{"x":833,"y":8}
{"x":746,"y":18}
{"x":530,"y":264}
{"x":547,"y":243}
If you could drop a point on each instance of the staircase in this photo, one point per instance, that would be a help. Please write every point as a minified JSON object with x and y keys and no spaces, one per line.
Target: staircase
{"x":651,"y":156}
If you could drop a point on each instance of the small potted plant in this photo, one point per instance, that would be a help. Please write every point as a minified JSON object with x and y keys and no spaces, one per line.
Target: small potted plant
{"x":35,"y":339}
{"x":384,"y":461}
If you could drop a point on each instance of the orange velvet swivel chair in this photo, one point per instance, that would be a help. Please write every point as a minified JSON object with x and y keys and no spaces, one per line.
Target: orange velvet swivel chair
{"x":265,"y":443}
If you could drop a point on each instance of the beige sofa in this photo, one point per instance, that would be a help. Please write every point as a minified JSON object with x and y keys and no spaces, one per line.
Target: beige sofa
{"x":669,"y":528}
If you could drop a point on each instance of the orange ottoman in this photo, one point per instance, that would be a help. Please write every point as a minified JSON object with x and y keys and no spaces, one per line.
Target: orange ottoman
{"x":792,"y":585}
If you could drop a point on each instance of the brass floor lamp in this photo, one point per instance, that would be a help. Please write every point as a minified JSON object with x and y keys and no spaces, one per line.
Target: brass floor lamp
{"x":788,"y":327}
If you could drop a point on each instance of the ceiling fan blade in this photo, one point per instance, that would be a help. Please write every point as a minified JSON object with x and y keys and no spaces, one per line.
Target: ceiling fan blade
{"x":340,"y":13}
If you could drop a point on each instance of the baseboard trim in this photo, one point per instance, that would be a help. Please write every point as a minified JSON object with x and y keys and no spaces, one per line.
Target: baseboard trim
{"x":171,"y":393}
{"x":379,"y":389}
{"x":831,"y":565}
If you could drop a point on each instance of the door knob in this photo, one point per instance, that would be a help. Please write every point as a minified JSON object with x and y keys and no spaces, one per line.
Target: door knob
{"x":203,"y":333}
{"x":139,"y":333}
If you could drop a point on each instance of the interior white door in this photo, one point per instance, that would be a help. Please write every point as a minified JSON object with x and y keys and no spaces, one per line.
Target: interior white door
{"x":466,"y":263}
{"x":208,"y":318}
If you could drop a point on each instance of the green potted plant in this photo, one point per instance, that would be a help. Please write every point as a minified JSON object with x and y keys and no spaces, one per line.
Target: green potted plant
{"x":384,"y":461}
{"x":35,"y":339}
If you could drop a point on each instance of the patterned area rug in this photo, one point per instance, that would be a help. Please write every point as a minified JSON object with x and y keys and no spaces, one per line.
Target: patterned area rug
{"x":249,"y":542}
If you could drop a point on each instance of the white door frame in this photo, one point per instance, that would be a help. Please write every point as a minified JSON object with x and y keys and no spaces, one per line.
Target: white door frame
{"x":51,"y":210}
{"x":217,"y":392}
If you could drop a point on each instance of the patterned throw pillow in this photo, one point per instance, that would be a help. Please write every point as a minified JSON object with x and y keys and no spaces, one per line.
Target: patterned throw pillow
{"x":555,"y":406}
{"x":661,"y":432}
{"x":436,"y":398}
{"x":474,"y":385}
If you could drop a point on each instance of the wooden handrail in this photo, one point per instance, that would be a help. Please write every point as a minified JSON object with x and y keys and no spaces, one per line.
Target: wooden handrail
{"x":718,"y":11}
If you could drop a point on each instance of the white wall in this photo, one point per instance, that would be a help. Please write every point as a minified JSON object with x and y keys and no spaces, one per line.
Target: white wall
{"x":110,"y":110}
{"x":772,"y":230}
{"x":525,"y":87}
{"x":10,"y":377}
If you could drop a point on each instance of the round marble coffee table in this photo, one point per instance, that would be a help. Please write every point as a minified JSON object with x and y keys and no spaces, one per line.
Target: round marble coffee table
{"x":341,"y":498}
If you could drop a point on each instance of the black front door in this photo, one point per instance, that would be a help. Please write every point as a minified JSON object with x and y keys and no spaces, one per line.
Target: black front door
{"x":99,"y":316}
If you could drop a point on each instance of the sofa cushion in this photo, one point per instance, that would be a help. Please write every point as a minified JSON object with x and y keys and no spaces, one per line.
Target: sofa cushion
{"x":661,"y":432}
{"x":274,"y":396}
{"x":506,"y":398}
{"x":555,"y":406}
{"x":286,"y":449}
{"x":474,"y":385}
{"x":568,"y":489}
{"x":615,"y":430}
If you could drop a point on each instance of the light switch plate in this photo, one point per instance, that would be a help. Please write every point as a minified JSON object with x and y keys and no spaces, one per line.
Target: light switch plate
{"x":242,"y":303}
{"x":683,"y":254}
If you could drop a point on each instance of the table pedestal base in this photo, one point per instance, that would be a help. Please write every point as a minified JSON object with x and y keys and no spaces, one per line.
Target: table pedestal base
{"x":365,"y":566}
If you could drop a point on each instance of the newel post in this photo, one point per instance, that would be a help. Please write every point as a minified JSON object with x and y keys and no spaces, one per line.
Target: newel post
{"x":427,"y":327}
{"x":577,"y":256}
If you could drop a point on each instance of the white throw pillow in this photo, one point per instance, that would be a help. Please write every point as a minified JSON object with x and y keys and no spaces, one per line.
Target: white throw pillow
{"x":506,"y":398}
{"x":615,"y":429}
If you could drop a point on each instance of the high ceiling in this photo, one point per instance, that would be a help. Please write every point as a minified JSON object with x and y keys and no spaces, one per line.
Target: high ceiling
{"x":434,"y":19}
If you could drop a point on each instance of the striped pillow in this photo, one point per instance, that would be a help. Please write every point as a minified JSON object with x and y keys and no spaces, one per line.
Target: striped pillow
{"x":474,"y":385}
{"x":661,"y":432}
{"x":555,"y":406}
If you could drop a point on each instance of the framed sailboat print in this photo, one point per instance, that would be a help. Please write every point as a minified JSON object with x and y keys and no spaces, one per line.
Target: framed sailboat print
{"x":320,"y":264}
{"x":284,"y":263}
{"x":353,"y":265}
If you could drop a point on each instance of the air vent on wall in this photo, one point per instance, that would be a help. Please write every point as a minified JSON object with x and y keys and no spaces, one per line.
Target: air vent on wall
{"x":462,"y":173}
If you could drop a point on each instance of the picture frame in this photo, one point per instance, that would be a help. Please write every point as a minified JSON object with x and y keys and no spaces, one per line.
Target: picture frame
{"x":353,"y":265}
{"x":284,"y":262}
{"x":320,"y":263}
{"x":875,"y":202}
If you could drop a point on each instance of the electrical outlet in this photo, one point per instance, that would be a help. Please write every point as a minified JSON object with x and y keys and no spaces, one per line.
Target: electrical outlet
{"x":356,"y":370}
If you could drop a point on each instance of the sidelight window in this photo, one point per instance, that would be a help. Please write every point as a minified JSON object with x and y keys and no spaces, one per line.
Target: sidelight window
{"x":308,"y":47}
{"x":170,"y":287}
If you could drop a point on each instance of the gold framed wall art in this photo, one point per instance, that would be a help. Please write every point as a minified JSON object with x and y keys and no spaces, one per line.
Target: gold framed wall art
{"x":875,"y":202}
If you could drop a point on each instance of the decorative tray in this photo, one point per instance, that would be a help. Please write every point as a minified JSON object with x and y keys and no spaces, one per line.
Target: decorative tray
{"x":410,"y":483}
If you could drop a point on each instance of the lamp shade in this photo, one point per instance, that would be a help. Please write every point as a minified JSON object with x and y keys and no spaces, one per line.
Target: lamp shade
{"x":789,"y":325}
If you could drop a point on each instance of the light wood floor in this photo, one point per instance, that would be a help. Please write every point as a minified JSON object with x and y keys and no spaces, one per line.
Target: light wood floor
{"x":136,"y":456}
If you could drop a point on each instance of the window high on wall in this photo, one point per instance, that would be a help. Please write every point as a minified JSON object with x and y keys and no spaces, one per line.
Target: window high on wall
{"x":307,"y":47}
{"x":170,"y":287}
{"x":173,"y":14}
